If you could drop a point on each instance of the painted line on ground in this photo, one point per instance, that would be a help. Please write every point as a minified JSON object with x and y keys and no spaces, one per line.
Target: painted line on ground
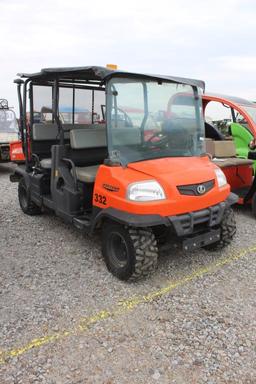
{"x":122,"y":307}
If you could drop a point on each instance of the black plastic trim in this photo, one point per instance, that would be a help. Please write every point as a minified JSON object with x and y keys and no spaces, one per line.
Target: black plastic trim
{"x":191,"y":189}
{"x":192,"y":222}
{"x":19,"y":172}
{"x":189,"y":223}
{"x":127,"y":218}
{"x":232,"y":199}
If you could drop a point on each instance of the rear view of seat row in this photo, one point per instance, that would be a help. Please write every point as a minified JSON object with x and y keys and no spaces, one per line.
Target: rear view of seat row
{"x":49,"y":132}
{"x":86,"y":145}
{"x":45,"y":132}
{"x":46,"y":135}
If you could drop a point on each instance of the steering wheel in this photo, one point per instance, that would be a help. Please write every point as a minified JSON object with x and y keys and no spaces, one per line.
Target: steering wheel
{"x":162,"y":140}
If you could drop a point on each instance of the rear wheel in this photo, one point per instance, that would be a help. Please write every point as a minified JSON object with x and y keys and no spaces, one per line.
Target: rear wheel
{"x":129,"y":253}
{"x":227,"y":231}
{"x":27,"y":206}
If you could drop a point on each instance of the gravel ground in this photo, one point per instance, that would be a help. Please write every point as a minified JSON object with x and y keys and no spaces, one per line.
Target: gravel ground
{"x":52,"y":278}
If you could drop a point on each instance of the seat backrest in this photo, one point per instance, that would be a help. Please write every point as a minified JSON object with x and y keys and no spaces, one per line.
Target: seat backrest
{"x":44,"y":132}
{"x":69,"y":127}
{"x":88,"y":138}
{"x":224,"y":148}
{"x":88,"y":146}
{"x":242,"y":137}
{"x":209,"y":146}
{"x":46,"y":135}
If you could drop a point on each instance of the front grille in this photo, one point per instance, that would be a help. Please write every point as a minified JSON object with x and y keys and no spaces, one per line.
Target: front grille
{"x":192,"y":189}
{"x":197,"y":220}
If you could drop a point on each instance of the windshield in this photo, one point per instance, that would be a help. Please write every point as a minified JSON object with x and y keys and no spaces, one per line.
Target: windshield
{"x":150,"y":119}
{"x":251,"y":111}
{"x":8,"y":121}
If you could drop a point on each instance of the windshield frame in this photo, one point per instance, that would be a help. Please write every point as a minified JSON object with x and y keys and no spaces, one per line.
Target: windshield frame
{"x":113,"y":156}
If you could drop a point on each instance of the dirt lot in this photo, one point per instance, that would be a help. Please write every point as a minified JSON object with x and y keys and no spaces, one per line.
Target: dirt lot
{"x":64,"y":319}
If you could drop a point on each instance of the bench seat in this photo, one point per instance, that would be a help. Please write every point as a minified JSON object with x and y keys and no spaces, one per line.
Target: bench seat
{"x":231,"y":162}
{"x":87,"y":174}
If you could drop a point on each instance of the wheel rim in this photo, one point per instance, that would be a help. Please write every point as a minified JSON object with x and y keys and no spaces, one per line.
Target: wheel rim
{"x":23,"y":196}
{"x":118,"y":250}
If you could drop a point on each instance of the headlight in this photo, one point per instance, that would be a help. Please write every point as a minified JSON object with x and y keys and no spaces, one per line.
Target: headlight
{"x":221,"y":178}
{"x":145,"y":191}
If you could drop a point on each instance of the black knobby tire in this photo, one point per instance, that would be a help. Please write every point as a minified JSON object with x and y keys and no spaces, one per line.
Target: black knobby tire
{"x":27,"y":206}
{"x":227,"y":231}
{"x":129,"y":253}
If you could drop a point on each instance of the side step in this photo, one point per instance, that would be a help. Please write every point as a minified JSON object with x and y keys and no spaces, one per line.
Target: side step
{"x":82,"y":223}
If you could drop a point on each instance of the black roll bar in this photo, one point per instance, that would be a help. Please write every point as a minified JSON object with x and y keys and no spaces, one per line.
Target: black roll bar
{"x":24,"y":123}
{"x":19,"y":82}
{"x":56,"y":110}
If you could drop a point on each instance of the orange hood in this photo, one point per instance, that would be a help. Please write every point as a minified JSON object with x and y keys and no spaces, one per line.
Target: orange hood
{"x":182,"y":170}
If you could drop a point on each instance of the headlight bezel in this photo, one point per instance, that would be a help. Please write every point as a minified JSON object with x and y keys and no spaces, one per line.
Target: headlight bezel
{"x":147,"y":198}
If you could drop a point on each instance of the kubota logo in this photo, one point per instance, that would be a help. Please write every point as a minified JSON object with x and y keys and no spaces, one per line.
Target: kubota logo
{"x":201,"y":189}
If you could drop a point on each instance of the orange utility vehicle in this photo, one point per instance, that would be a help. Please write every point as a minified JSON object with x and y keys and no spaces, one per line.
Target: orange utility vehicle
{"x":142,"y":190}
{"x":233,"y":149}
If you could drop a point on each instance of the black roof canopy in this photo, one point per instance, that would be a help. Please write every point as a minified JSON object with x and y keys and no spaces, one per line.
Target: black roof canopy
{"x":101,"y":74}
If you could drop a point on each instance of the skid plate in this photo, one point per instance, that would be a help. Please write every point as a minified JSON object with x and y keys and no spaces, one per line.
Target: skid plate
{"x":201,"y":240}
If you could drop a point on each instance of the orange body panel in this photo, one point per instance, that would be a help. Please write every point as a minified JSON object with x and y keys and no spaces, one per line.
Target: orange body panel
{"x":240,"y":176}
{"x":170,"y":173}
{"x":16,"y":152}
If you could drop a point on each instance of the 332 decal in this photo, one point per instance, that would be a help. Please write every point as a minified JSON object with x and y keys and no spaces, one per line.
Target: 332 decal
{"x":101,"y":199}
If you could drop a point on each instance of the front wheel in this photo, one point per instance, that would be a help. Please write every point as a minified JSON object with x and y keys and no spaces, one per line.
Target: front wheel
{"x":227,"y":231}
{"x":129,"y":253}
{"x":27,"y":206}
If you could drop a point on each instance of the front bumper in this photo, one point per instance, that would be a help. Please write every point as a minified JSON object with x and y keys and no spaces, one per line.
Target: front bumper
{"x":198,"y":221}
{"x":183,"y":225}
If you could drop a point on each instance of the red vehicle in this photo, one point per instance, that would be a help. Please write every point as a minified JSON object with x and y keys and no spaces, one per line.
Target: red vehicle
{"x":237,"y":117}
{"x":10,"y":145}
{"x":230,"y":127}
{"x":16,"y":152}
